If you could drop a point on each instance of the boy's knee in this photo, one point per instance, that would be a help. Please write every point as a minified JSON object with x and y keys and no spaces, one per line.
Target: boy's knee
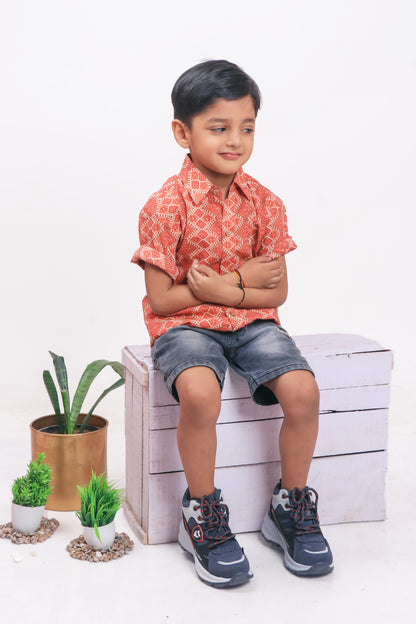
{"x":199,"y":392}
{"x":297,"y":391}
{"x":309,"y":391}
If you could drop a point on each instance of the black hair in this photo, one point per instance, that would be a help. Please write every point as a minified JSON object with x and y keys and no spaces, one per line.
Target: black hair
{"x":200,"y":85}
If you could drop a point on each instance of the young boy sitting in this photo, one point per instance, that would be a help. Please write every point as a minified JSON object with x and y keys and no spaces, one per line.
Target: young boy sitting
{"x":213,"y":244}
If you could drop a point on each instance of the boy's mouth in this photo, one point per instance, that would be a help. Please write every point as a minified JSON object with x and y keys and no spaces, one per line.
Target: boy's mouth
{"x":230,"y":155}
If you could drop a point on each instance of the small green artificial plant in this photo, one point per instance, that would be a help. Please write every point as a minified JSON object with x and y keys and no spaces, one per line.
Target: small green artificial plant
{"x":67,"y":419}
{"x":100,"y":501}
{"x":33,"y":489}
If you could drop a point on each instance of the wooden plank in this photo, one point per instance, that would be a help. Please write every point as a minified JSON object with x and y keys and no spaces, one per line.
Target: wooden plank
{"x":355,"y":369}
{"x":165,"y":496}
{"x":134,"y":522}
{"x":146,"y":461}
{"x":237,"y":410}
{"x":339,"y":344}
{"x":341,"y":433}
{"x":134,"y":444}
{"x":135,"y":364}
{"x":350,"y":488}
{"x":256,"y":442}
{"x":355,"y":398}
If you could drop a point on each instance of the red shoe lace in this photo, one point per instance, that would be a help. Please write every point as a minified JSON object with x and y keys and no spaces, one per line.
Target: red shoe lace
{"x":215,"y":515}
{"x":305,"y":510}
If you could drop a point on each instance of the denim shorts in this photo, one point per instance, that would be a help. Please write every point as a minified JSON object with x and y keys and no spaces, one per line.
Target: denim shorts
{"x":259,"y":352}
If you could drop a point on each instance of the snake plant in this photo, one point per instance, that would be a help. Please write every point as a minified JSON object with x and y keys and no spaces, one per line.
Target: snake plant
{"x":67,"y":418}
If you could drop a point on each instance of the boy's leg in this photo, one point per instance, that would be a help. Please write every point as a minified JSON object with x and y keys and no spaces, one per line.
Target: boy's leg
{"x":194,"y":365}
{"x":204,"y":531}
{"x":298,"y":395}
{"x":292,"y":521}
{"x":200,"y":403}
{"x":276,"y":371}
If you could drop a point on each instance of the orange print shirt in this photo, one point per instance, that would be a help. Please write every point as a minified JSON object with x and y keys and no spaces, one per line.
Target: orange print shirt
{"x":187,"y":220}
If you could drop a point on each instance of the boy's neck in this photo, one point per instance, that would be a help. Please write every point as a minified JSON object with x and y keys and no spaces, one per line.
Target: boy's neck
{"x":223,"y":184}
{"x":222,"y":181}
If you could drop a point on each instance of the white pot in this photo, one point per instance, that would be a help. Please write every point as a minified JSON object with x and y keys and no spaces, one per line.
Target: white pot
{"x":26,"y":519}
{"x":107,"y":535}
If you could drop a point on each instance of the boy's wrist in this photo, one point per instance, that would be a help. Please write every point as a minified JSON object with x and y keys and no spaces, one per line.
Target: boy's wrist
{"x":230,"y":278}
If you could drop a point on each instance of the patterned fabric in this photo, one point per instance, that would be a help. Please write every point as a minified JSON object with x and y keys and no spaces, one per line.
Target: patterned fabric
{"x":187,"y":220}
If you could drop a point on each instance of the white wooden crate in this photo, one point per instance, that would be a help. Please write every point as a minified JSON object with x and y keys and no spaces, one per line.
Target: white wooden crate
{"x":350,"y":459}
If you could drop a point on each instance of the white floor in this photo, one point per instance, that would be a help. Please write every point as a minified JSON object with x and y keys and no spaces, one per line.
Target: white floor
{"x":373,"y":579}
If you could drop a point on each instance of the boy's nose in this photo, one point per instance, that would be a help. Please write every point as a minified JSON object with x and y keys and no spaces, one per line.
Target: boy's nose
{"x":233,"y":139}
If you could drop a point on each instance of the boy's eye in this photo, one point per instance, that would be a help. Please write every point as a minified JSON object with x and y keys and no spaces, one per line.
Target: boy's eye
{"x":219,"y":129}
{"x":248,"y":130}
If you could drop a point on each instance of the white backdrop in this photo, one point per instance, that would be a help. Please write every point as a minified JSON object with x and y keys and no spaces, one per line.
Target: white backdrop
{"x":85,"y":139}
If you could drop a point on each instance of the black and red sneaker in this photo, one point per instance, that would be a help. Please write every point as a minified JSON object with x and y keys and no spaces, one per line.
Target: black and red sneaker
{"x":205,"y":534}
{"x":292,"y":524}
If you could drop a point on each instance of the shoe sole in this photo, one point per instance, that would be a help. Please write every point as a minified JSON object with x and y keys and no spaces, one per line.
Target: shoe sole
{"x":272,"y":535}
{"x":240,"y":578}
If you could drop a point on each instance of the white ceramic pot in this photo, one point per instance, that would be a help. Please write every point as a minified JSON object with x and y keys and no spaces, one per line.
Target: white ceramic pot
{"x":26,"y":519}
{"x":107,"y":535}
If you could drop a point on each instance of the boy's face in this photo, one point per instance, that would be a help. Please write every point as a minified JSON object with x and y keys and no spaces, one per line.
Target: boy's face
{"x":220,"y":139}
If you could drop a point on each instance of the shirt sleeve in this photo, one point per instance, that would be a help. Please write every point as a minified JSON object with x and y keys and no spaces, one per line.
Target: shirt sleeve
{"x":274,"y":239}
{"x":159,"y":234}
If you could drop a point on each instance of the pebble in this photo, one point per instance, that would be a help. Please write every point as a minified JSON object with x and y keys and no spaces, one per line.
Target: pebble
{"x":17,"y":558}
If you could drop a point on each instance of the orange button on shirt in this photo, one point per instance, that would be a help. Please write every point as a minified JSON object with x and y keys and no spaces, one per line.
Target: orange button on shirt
{"x":187,"y":220}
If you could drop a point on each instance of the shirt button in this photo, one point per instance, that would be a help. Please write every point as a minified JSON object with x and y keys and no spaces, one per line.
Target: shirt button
{"x":228,"y":233}
{"x":216,"y":191}
{"x":232,"y":313}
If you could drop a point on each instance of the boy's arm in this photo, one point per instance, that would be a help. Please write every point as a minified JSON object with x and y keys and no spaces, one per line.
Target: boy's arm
{"x":208,"y":286}
{"x":165,"y":297}
{"x":205,"y":286}
{"x":260,"y":272}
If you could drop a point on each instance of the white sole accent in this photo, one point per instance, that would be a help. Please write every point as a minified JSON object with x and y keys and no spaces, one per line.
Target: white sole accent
{"x":186,"y":543}
{"x":270,"y":532}
{"x":231,"y":562}
{"x":317,"y":552}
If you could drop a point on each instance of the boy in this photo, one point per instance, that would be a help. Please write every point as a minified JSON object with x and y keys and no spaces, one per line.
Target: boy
{"x":213,"y":242}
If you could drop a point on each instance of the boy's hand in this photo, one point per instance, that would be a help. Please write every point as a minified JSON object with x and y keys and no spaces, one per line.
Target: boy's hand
{"x":262,"y":272}
{"x":207,"y":285}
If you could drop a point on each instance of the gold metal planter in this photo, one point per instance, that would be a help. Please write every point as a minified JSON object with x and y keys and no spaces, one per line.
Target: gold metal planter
{"x":71,"y":458}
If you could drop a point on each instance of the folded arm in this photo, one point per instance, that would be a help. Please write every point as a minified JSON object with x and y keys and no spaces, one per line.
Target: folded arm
{"x":164,"y":296}
{"x":265,"y":287}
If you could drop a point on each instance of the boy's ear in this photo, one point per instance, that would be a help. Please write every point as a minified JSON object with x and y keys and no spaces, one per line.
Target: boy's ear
{"x":181,"y":133}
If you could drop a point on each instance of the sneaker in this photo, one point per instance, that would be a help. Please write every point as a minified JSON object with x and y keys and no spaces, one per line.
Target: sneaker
{"x":292,"y":524}
{"x":204,"y":533}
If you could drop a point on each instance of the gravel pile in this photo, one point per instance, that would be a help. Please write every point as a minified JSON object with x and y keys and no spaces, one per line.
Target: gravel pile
{"x":46,"y":530}
{"x":79,"y":549}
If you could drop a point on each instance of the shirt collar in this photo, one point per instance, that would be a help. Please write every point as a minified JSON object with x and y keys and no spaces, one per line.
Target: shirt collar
{"x":198,"y":185}
{"x":241,"y":180}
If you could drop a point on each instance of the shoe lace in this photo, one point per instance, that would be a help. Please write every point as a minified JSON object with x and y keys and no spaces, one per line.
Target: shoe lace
{"x":215,"y":514}
{"x":305,"y":510}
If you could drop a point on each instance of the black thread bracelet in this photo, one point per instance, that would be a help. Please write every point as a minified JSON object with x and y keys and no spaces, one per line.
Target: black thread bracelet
{"x":243,"y":297}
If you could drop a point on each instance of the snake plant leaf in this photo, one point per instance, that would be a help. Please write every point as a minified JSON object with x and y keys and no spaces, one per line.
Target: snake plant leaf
{"x":88,"y":376}
{"x":62,"y":377}
{"x":115,"y":385}
{"x":53,"y":395}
